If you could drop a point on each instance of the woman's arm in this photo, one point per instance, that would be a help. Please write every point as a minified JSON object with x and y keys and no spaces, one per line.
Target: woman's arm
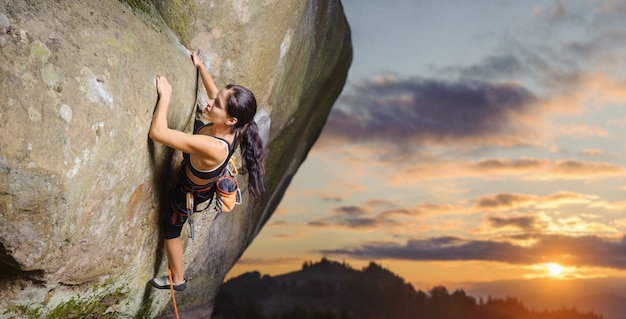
{"x":159,"y":128}
{"x":207,"y":80}
{"x":207,"y":147}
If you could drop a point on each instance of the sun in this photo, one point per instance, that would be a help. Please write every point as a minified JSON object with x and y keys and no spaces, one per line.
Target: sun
{"x":554,"y":269}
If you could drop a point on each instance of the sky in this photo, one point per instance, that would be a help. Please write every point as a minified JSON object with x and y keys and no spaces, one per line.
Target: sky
{"x":474,"y":141}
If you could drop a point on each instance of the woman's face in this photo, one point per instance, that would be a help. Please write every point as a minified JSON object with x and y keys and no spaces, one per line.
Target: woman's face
{"x":216,"y":109}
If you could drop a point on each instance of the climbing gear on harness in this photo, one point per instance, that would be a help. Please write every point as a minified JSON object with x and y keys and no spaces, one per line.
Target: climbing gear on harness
{"x":190,"y":208}
{"x":227,"y":191}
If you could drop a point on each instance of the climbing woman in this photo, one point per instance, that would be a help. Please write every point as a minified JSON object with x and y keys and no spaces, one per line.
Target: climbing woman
{"x":230,"y":116}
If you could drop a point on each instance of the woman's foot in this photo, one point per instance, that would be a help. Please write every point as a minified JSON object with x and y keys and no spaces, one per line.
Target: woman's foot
{"x":164,"y":283}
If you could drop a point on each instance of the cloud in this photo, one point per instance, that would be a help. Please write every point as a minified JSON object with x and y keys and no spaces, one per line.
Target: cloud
{"x":531,"y":214}
{"x":512,"y":213}
{"x":554,"y":14}
{"x":506,"y":201}
{"x":611,"y":206}
{"x":492,"y":67}
{"x":503,"y":201}
{"x":351,"y":210}
{"x":375,"y":202}
{"x":280,"y":223}
{"x":576,"y":226}
{"x":523,"y":227}
{"x":339,"y":190}
{"x":621,"y":223}
{"x":355,"y":216}
{"x":423,"y":209}
{"x":582,"y":130}
{"x":584,"y":90}
{"x":523,"y":222}
{"x":621,"y":122}
{"x":525,"y":169}
{"x":381,"y":213}
{"x":593,"y":152}
{"x":354,"y":222}
{"x":541,"y":169}
{"x":269,"y":261}
{"x":572,"y":36}
{"x":566,"y":250}
{"x":427,"y":111}
{"x":504,"y":100}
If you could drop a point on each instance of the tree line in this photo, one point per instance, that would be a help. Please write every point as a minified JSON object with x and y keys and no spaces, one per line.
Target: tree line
{"x":330,"y":290}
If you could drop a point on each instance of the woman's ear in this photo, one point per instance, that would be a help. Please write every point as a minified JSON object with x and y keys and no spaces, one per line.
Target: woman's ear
{"x":231,"y":121}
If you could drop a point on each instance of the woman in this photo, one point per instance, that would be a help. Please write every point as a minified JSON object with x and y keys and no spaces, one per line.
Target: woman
{"x":206,"y":152}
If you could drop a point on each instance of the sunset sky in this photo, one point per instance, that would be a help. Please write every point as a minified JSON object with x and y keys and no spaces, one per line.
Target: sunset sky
{"x":474,"y":141}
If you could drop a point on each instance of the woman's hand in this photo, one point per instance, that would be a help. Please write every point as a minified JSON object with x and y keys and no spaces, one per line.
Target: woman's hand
{"x":196,"y":59}
{"x":163,"y":86}
{"x":207,"y":80}
{"x":159,"y":131}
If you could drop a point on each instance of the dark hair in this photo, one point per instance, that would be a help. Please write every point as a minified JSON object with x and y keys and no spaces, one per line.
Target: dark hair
{"x":242,"y":105}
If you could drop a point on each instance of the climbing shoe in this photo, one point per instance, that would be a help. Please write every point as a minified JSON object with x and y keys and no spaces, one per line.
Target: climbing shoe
{"x":164,"y":283}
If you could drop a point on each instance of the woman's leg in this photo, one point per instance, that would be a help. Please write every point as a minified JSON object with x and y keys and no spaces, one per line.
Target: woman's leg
{"x":174,"y":249}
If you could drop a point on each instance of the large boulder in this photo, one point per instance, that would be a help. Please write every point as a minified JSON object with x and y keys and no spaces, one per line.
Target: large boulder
{"x":81,"y":184}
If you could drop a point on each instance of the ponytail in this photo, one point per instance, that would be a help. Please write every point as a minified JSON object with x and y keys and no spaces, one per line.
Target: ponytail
{"x":242,"y":105}
{"x":252,"y":159}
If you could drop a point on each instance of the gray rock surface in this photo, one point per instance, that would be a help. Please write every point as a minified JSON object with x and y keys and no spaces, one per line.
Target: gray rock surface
{"x":82,"y":186}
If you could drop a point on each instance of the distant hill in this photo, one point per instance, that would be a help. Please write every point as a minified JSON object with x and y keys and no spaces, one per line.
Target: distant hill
{"x":332,"y":290}
{"x":611,"y":306}
{"x":603,"y":295}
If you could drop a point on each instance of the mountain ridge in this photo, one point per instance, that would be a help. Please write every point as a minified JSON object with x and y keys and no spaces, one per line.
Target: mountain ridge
{"x":605,"y":295}
{"x":333,"y":290}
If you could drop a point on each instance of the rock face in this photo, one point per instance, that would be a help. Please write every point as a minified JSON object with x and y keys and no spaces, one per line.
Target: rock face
{"x":81,"y":184}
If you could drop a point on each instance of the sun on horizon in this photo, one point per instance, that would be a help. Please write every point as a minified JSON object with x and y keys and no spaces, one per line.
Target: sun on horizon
{"x":554,"y":269}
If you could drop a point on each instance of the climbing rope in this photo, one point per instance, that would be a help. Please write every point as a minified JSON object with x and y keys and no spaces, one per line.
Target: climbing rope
{"x":169,"y":273}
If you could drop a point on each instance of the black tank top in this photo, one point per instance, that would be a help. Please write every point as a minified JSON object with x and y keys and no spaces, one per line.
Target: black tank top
{"x":210,"y":174}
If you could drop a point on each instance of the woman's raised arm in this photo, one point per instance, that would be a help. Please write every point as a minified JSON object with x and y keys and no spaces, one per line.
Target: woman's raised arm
{"x":207,"y":80}
{"x":159,"y":130}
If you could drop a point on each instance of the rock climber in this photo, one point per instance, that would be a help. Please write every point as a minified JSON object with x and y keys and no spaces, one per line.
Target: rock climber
{"x":230,"y":116}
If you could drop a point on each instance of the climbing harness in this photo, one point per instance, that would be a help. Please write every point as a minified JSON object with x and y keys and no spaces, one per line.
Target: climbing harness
{"x":224,"y":188}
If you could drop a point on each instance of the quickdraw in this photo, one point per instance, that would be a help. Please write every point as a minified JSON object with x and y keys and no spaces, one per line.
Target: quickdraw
{"x":190,"y":209}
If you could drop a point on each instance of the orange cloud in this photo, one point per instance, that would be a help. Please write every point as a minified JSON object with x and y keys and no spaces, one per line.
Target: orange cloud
{"x":338,"y":190}
{"x":593,"y":152}
{"x":381,"y":213}
{"x":500,"y":168}
{"x":565,"y":250}
{"x":612,"y":206}
{"x":269,"y":261}
{"x":506,"y":201}
{"x":573,"y":93}
{"x":522,"y":227}
{"x":582,"y":130}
